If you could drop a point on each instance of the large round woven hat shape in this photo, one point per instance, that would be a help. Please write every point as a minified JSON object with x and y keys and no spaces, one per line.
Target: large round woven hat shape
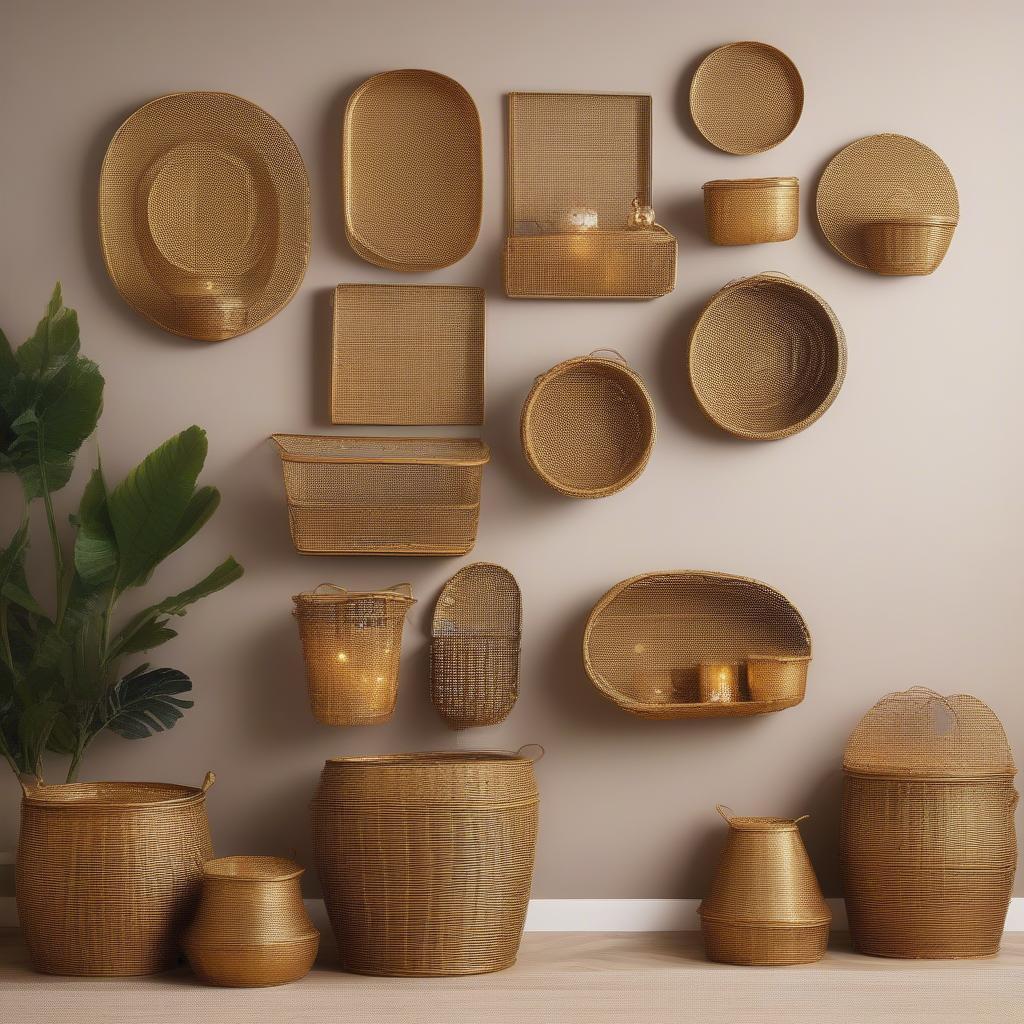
{"x":412,"y":171}
{"x":108,"y":874}
{"x":767,"y":357}
{"x":882,"y":178}
{"x":204,"y":214}
{"x":588,"y":426}
{"x":746,"y":97}
{"x":928,"y":846}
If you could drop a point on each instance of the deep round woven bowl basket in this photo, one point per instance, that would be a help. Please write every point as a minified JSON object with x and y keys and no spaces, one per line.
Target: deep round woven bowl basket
{"x":109,"y":874}
{"x":426,"y":860}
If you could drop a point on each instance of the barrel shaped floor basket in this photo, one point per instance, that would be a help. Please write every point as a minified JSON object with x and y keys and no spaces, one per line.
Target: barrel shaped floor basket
{"x":426,"y":860}
{"x":109,"y":874}
{"x":474,"y":646}
{"x":928,"y":846}
{"x":352,"y":645}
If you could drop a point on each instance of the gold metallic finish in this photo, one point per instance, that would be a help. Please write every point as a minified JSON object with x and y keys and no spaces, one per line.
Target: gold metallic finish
{"x":777,"y":678}
{"x":907,"y":246}
{"x":752,"y":210}
{"x":718,"y":683}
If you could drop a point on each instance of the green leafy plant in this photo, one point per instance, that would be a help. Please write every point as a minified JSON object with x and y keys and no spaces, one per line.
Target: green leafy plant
{"x":62,"y":671}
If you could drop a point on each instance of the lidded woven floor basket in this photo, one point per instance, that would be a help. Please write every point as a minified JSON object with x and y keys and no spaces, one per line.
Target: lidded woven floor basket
{"x":928,"y":845}
{"x":474,"y":646}
{"x":109,"y":873}
{"x":747,"y":211}
{"x":765,"y":907}
{"x":426,"y":860}
{"x":352,"y":646}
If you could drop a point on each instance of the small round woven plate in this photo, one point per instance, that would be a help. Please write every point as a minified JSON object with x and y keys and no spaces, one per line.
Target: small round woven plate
{"x":746,"y":97}
{"x":767,"y":357}
{"x":881,"y":177}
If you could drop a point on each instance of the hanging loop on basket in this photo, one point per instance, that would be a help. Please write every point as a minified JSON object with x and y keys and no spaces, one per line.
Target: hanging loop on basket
{"x":775,"y":273}
{"x":210,"y":779}
{"x":616,"y":354}
{"x":803,"y":817}
{"x":726,"y":812}
{"x":528,"y":746}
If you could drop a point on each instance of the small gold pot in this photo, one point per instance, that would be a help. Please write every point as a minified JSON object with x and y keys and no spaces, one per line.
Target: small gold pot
{"x":748,"y":211}
{"x":719,"y":683}
{"x":777,"y":678}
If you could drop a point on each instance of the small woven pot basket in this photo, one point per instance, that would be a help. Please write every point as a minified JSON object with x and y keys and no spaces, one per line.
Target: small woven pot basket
{"x":752,"y":210}
{"x":474,"y":647}
{"x":765,"y":907}
{"x":426,"y":860}
{"x":109,"y":873}
{"x":928,"y":847}
{"x":352,"y":646}
{"x":588,"y":426}
{"x":907,"y":246}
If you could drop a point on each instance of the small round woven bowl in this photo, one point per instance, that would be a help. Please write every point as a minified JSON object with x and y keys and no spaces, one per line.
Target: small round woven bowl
{"x":907,"y":246}
{"x":750,"y":211}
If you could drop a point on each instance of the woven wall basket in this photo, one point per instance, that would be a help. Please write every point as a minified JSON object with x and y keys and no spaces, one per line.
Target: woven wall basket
{"x":576,"y":164}
{"x":204,"y":214}
{"x":352,"y":646}
{"x":382,"y":495}
{"x":928,"y":846}
{"x":108,"y":874}
{"x":426,"y":860}
{"x":650,"y":639}
{"x":412,"y":171}
{"x":765,"y":907}
{"x":767,"y":357}
{"x":407,"y":354}
{"x":588,"y":426}
{"x":746,"y":211}
{"x":474,"y":646}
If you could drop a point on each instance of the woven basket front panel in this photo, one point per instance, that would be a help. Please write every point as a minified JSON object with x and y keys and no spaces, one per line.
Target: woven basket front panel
{"x":764,"y":946}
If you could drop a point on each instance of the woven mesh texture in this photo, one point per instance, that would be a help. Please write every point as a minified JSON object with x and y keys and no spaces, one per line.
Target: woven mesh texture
{"x":426,"y":860}
{"x":204,"y":214}
{"x":767,"y":357}
{"x":588,"y":427}
{"x":928,"y":845}
{"x":352,"y":646}
{"x":746,"y":212}
{"x":251,"y":927}
{"x":412,"y":171}
{"x":408,"y":354}
{"x":108,"y":874}
{"x":909,"y":246}
{"x":648,"y":636}
{"x":879,"y":178}
{"x":746,"y":97}
{"x":474,"y":647}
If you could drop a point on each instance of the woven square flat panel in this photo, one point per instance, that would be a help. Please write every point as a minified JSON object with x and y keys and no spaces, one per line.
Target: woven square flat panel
{"x":408,"y":354}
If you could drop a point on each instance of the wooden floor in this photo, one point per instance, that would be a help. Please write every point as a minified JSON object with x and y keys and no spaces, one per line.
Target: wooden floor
{"x":590,"y":978}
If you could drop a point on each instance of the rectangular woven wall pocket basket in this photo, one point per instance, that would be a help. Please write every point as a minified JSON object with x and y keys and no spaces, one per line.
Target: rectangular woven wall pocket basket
{"x":407,"y":354}
{"x":382,"y":495}
{"x":578,"y":164}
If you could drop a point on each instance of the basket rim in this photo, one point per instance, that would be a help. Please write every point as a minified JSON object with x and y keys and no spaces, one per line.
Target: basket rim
{"x":262,"y":868}
{"x":44,"y":795}
{"x":751,"y":183}
{"x":349,"y":596}
{"x":923,"y":220}
{"x":416,"y":760}
{"x":817,"y":922}
{"x":478,"y":453}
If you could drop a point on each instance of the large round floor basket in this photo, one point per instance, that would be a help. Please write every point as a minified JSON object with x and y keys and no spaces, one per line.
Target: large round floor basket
{"x":426,"y":860}
{"x":109,"y":874}
{"x":928,"y":846}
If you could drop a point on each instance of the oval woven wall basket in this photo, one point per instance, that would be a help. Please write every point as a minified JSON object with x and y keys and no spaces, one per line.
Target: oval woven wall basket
{"x":204,"y":214}
{"x":588,"y":426}
{"x":653,"y":641}
{"x":767,"y":357}
{"x":474,"y":647}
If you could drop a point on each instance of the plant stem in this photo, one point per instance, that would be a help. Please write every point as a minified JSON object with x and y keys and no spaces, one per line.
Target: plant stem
{"x":5,"y":637}
{"x":58,"y":553}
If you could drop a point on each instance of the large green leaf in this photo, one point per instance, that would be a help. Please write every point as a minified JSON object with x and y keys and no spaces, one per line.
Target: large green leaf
{"x":96,"y":556}
{"x":55,"y":341}
{"x":146,"y":702}
{"x":13,"y":583}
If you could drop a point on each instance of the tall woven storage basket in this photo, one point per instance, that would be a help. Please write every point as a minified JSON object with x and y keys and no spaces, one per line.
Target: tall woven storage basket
{"x":109,"y":874}
{"x":426,"y":860}
{"x":928,"y":846}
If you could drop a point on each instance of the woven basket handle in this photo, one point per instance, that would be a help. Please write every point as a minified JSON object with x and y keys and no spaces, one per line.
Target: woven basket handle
{"x":726,"y":812}
{"x":405,"y":589}
{"x":30,"y":783}
{"x":615,"y":353}
{"x":774,"y":273}
{"x":803,"y":817}
{"x":210,"y":779}
{"x":528,"y":746}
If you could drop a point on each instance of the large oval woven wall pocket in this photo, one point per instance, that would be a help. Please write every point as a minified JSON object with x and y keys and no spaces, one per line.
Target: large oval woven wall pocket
{"x":204,"y":214}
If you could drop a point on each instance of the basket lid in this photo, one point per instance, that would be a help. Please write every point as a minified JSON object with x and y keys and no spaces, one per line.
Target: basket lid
{"x":447,"y":451}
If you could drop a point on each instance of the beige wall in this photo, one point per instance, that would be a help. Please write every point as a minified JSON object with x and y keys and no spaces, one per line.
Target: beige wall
{"x":894,"y":523}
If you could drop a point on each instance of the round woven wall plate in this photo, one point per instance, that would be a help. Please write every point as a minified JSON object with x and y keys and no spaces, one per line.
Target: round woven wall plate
{"x":588,"y":426}
{"x":767,"y":357}
{"x":877,"y":178}
{"x":746,"y":97}
{"x":204,"y":214}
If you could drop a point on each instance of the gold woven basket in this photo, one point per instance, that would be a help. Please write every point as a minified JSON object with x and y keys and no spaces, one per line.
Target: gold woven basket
{"x":648,"y":639}
{"x":928,"y":846}
{"x":352,"y":646}
{"x":251,"y":928}
{"x":426,"y":860}
{"x":907,"y":245}
{"x":588,"y":426}
{"x":382,"y":495}
{"x":767,"y":357}
{"x":412,"y":171}
{"x":408,"y":354}
{"x":474,"y":646}
{"x":108,"y":874}
{"x":204,"y":214}
{"x":747,"y":211}
{"x":577,"y":162}
{"x":765,"y":907}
